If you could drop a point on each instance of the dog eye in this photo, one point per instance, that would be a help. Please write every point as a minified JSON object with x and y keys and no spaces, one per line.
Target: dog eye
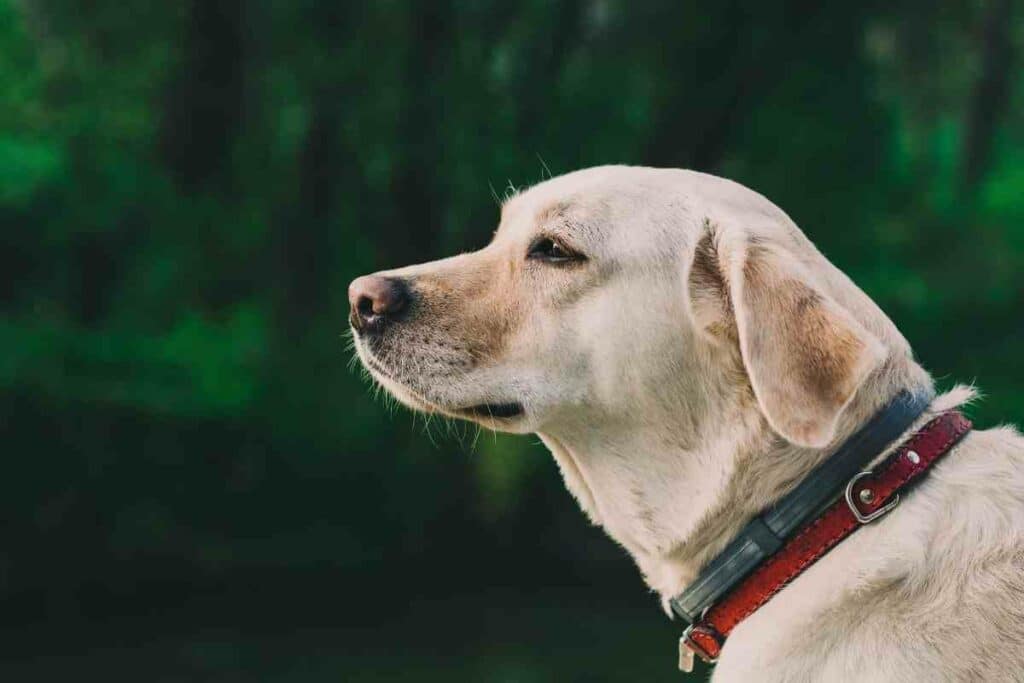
{"x":547,"y":249}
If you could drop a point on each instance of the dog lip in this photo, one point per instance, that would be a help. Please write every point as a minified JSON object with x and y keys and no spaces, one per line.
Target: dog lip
{"x":495,"y":411}
{"x":502,"y":411}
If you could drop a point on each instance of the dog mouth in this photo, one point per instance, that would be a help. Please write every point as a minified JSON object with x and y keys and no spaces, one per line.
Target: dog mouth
{"x":497,"y":411}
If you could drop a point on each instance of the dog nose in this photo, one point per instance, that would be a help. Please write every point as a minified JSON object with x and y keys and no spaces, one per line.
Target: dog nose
{"x":374,"y":298}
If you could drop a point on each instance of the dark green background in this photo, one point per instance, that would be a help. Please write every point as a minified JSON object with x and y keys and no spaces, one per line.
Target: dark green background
{"x":197,"y":485}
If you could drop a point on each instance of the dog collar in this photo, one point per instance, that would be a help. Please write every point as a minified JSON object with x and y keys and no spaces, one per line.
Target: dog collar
{"x":831,"y":503}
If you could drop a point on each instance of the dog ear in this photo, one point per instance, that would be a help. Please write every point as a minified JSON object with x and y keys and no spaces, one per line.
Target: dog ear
{"x":805,"y":356}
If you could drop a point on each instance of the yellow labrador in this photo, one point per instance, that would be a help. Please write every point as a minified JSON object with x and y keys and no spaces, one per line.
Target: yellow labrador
{"x":687,"y":355}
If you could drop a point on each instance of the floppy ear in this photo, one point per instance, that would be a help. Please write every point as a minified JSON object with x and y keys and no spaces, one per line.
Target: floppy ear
{"x":804,"y":354}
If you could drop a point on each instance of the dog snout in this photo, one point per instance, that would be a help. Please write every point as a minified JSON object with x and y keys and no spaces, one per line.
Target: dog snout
{"x":374,"y":300}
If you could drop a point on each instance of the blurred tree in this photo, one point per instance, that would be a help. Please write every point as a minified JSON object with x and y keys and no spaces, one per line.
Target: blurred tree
{"x":991,"y":90}
{"x":204,"y":101}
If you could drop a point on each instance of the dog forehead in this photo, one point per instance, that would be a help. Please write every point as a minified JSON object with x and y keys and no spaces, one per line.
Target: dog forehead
{"x":598,"y":199}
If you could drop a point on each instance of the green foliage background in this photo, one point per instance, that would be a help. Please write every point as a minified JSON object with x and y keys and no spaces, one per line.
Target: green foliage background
{"x":197,"y":484}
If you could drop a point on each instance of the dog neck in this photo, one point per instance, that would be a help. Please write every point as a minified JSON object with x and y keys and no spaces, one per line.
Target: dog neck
{"x":675,"y":497}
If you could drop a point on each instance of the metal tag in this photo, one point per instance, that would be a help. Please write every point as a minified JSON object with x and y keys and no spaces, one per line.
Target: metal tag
{"x":685,"y":656}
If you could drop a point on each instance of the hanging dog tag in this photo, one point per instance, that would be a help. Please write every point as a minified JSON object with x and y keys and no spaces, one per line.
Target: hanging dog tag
{"x":685,"y":656}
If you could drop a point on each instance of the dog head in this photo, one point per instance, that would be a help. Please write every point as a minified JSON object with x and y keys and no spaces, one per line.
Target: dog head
{"x":609,"y":289}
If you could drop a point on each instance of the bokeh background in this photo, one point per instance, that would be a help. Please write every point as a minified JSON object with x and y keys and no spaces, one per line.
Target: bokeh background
{"x":197,"y":485}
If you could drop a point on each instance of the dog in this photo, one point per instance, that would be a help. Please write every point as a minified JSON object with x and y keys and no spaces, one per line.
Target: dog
{"x":687,"y":356}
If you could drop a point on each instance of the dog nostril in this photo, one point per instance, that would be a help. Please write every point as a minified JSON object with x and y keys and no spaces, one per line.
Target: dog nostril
{"x":365,"y":306}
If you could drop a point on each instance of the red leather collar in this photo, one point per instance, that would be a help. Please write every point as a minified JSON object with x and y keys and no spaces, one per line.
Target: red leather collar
{"x":868,"y":495}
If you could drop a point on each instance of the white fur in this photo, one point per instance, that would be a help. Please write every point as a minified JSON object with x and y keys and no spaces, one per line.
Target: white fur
{"x":662,"y":414}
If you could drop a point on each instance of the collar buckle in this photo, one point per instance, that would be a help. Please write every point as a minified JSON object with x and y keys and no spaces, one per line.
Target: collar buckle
{"x":688,"y":647}
{"x":871,"y":516}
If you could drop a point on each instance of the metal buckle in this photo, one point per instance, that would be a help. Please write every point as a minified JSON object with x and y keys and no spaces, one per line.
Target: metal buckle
{"x":689,"y":647}
{"x":861,"y":517}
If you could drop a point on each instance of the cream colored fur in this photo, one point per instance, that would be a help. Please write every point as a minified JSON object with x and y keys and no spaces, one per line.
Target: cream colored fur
{"x":700,"y":361}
